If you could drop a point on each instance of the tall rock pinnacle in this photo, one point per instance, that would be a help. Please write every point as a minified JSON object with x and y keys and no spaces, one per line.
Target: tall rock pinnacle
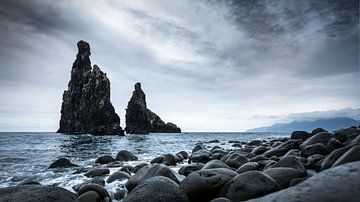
{"x":141,"y":120}
{"x":86,"y":106}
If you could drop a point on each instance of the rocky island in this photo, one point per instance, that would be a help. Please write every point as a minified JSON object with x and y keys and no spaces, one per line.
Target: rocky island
{"x":86,"y":106}
{"x":141,"y":120}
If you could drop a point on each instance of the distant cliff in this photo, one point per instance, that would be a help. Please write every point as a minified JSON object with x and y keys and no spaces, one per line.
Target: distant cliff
{"x":330,"y":124}
{"x":86,"y":106}
{"x":141,"y":120}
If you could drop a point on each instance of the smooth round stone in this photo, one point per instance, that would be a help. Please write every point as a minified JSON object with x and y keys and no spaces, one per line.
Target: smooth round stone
{"x":247,"y":167}
{"x":62,"y":163}
{"x":104,"y":159}
{"x":283,"y":176}
{"x":125,"y":155}
{"x":90,"y":196}
{"x":97,"y":172}
{"x":101,"y":191}
{"x":159,"y":189}
{"x":215,"y":164}
{"x":249,"y":185}
{"x":205,"y":185}
{"x":351,"y":155}
{"x":118,"y":175}
{"x":189,"y":168}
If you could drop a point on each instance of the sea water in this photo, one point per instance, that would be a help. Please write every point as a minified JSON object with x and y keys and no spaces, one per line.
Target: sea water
{"x":27,"y":156}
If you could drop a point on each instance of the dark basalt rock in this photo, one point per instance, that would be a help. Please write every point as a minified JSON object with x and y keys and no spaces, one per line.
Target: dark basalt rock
{"x":32,"y":193}
{"x":62,"y":163}
{"x":141,"y":120}
{"x":86,"y":106}
{"x":158,"y":188}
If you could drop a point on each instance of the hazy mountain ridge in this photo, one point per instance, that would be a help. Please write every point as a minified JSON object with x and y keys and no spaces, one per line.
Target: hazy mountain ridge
{"x":329,"y":124}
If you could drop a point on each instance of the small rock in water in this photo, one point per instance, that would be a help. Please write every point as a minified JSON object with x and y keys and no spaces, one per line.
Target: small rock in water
{"x":101,"y":191}
{"x":125,"y":155}
{"x":184,"y":154}
{"x":62,"y":163}
{"x":89,"y":196}
{"x":118,"y":175}
{"x":104,"y":159}
{"x":97,"y":172}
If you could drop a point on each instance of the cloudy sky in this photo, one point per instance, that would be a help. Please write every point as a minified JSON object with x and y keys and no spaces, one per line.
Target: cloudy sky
{"x":204,"y":65}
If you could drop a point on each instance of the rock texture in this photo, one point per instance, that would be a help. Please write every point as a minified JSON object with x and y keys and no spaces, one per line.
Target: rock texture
{"x":141,"y":120}
{"x":86,"y":106}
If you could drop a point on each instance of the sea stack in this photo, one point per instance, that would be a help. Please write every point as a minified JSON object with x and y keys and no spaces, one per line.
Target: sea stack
{"x":86,"y":106}
{"x":141,"y":120}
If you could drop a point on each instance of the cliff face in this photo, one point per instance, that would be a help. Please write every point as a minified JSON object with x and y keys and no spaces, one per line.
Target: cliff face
{"x":141,"y":120}
{"x":86,"y":106}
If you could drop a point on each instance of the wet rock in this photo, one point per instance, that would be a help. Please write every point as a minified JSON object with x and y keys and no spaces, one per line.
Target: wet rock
{"x":247,"y":167}
{"x":104,"y":159}
{"x":234,"y":141}
{"x":115,"y":164}
{"x":86,"y":106}
{"x":141,"y":120}
{"x":259,"y":150}
{"x":302,"y":135}
{"x":119,"y":194}
{"x":249,"y":185}
{"x":201,"y":156}
{"x":296,"y":181}
{"x":235,"y":160}
{"x":333,"y":144}
{"x":317,"y":148}
{"x":184,"y":154}
{"x":215,"y":164}
{"x":323,"y":187}
{"x":283,"y":176}
{"x":158,"y":159}
{"x":179,"y":158}
{"x":101,"y":191}
{"x":97,"y":172}
{"x":152,"y":171}
{"x":139,"y":166}
{"x":220,"y":199}
{"x":333,"y":156}
{"x":118,"y":175}
{"x":32,"y":193}
{"x":238,"y":145}
{"x":29,"y":182}
{"x":318,"y":130}
{"x":205,"y":185}
{"x":290,"y":162}
{"x":125,"y":155}
{"x":198,"y":147}
{"x":283,"y":148}
{"x":322,"y":137}
{"x":62,"y":163}
{"x":293,"y":152}
{"x":90,"y":196}
{"x":96,"y":180}
{"x":254,"y":143}
{"x":169,"y":160}
{"x":187,"y":169}
{"x":314,"y":162}
{"x":269,"y":164}
{"x":351,"y":155}
{"x":129,"y":168}
{"x":160,"y":189}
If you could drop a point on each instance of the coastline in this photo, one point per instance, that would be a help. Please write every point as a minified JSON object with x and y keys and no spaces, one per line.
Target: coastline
{"x":279,"y":163}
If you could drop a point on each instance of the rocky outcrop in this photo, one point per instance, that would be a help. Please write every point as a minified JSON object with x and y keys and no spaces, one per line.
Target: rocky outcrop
{"x":86,"y":106}
{"x":141,"y":120}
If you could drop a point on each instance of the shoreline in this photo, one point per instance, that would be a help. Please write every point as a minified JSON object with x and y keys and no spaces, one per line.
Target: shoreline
{"x":280,"y":162}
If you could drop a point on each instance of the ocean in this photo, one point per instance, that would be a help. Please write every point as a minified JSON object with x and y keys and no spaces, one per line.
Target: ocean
{"x":27,"y":156}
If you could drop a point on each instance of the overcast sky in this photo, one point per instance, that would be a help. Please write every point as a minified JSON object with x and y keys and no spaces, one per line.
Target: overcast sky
{"x":204,"y":65}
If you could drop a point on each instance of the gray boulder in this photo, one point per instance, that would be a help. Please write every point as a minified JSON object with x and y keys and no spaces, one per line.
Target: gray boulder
{"x":160,"y":189}
{"x":118,"y":175}
{"x":249,"y":185}
{"x":189,"y":168}
{"x":151,"y":171}
{"x":235,"y":160}
{"x":205,"y":185}
{"x":351,"y":155}
{"x":341,"y":183}
{"x":90,"y":196}
{"x":283,"y":176}
{"x":62,"y":163}
{"x":215,"y":164}
{"x":101,"y":191}
{"x":302,"y":135}
{"x":247,"y":167}
{"x":201,"y":156}
{"x":322,"y":137}
{"x":317,"y":148}
{"x":333,"y":156}
{"x":35,"y":193}
{"x":283,"y":148}
{"x":125,"y":155}
{"x":290,"y":162}
{"x":104,"y":159}
{"x":97,"y":172}
{"x":259,"y":150}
